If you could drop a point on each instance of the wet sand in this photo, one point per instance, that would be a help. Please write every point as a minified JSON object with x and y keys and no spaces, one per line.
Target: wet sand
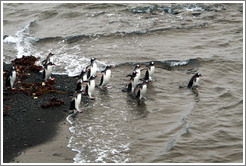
{"x":33,"y":134}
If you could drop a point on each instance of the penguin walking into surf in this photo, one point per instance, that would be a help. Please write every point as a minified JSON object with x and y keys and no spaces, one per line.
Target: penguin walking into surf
{"x":194,"y":81}
{"x":132,"y":82}
{"x":141,"y":89}
{"x":76,"y":100}
{"x":48,"y":59}
{"x":90,"y":87}
{"x":150,"y":69}
{"x":92,"y":68}
{"x":11,"y":77}
{"x":81,"y":83}
{"x":48,"y":68}
{"x":105,"y":78}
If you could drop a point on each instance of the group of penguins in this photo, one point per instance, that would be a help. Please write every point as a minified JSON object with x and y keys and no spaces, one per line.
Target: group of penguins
{"x":86,"y":83}
{"x":86,"y":80}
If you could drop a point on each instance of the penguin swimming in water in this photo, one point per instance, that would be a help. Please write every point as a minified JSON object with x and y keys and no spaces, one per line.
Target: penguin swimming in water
{"x":194,"y":81}
{"x":92,"y":68}
{"x":106,"y":74}
{"x":11,"y":77}
{"x":75,"y":103}
{"x":48,"y":59}
{"x":141,"y":89}
{"x":133,"y":82}
{"x":149,"y":71}
{"x":90,"y":87}
{"x":48,"y":71}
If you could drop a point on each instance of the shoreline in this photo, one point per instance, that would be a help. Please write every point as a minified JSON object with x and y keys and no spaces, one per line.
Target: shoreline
{"x":36,"y":134}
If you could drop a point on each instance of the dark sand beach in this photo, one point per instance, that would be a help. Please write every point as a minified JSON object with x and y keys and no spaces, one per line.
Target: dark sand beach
{"x":34,"y":134}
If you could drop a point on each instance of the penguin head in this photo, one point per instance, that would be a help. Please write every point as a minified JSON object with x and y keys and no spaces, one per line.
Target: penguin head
{"x":137,"y":66}
{"x":51,"y":54}
{"x":13,"y":68}
{"x":146,"y":82}
{"x":109,"y":66}
{"x":152,"y":63}
{"x":93,"y":59}
{"x":198,"y":75}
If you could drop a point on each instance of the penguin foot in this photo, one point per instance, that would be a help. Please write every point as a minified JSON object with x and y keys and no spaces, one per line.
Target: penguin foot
{"x":92,"y":98}
{"x":80,"y":111}
{"x":52,"y":79}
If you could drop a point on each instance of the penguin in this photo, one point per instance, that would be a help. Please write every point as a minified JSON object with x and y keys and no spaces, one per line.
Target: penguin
{"x":141,"y":89}
{"x":48,"y":71}
{"x":92,"y":68}
{"x":106,"y":74}
{"x":74,"y":105}
{"x":90,"y":87}
{"x":133,"y":82}
{"x":194,"y":81}
{"x":48,"y":59}
{"x":150,"y":69}
{"x":11,"y":77}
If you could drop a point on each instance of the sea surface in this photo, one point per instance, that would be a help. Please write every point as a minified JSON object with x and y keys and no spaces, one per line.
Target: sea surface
{"x":172,"y":124}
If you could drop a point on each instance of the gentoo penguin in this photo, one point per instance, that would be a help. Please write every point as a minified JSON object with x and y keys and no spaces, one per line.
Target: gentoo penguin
{"x":141,"y":89}
{"x":90,"y":87}
{"x":195,"y":80}
{"x":106,"y":74}
{"x":11,"y":77}
{"x":47,"y":71}
{"x":74,"y":105}
{"x":48,"y":59}
{"x":132,"y":82}
{"x":150,"y":69}
{"x":92,"y":68}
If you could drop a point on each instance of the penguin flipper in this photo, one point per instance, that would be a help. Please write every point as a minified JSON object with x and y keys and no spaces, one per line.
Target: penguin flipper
{"x":43,"y":74}
{"x":190,"y":83}
{"x":8,"y":80}
{"x":72,"y":105}
{"x":102,"y":78}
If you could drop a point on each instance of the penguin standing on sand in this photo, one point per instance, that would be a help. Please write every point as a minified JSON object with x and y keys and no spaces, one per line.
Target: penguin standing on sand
{"x":106,"y":74}
{"x":194,"y":81}
{"x":11,"y":77}
{"x":74,"y":105}
{"x":90,"y":87}
{"x":48,"y":68}
{"x":92,"y":68}
{"x":141,"y":89}
{"x":48,"y":59}
{"x":149,"y":71}
{"x":133,"y":82}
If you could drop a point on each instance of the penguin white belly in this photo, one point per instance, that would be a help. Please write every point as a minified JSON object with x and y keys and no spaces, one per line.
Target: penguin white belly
{"x":143,"y":91}
{"x":106,"y":77}
{"x":138,"y":74}
{"x":152,"y":70}
{"x":197,"y":82}
{"x":91,"y":88}
{"x":12,"y":79}
{"x":94,"y":69}
{"x":134,"y":83}
{"x":77,"y":101}
{"x":84,"y":78}
{"x":48,"y":72}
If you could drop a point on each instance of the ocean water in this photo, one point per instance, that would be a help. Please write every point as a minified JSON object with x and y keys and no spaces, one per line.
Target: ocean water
{"x":172,"y":124}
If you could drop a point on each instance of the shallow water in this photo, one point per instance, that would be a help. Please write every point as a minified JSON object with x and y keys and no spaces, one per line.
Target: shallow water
{"x":171,"y":124}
